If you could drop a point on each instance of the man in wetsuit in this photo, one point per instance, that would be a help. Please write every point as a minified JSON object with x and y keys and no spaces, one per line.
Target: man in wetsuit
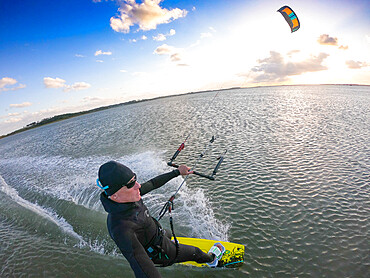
{"x":139,"y":236}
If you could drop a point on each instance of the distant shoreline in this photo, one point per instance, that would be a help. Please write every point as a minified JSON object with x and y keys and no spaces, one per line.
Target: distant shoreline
{"x":66,"y":116}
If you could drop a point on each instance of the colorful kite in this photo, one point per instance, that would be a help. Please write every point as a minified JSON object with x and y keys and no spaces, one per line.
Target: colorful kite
{"x":290,"y":17}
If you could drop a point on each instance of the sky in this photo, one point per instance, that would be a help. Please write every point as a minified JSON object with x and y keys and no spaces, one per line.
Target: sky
{"x":67,"y":56}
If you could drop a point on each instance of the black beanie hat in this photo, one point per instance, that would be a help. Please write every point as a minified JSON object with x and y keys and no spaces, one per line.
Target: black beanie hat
{"x":114,"y":175}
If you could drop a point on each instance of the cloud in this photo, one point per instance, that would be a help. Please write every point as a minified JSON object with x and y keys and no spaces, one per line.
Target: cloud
{"x":90,"y":99}
{"x":356,"y":64}
{"x":7,"y":81}
{"x":55,"y":83}
{"x":13,"y":120}
{"x":14,"y":114}
{"x":163,"y":37}
{"x":77,"y":86}
{"x":176,"y":57}
{"x":6,"y":84}
{"x":174,"y":53}
{"x":164,"y":49}
{"x":292,"y":52}
{"x":326,"y":40}
{"x":159,"y":37}
{"x":21,"y":105}
{"x":147,"y":15}
{"x":50,"y":82}
{"x":208,"y":34}
{"x":274,"y":68}
{"x":99,"y":52}
{"x":142,"y":38}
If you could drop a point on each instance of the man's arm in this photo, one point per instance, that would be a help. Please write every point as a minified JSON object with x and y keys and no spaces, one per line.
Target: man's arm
{"x":158,"y":181}
{"x":136,"y":255}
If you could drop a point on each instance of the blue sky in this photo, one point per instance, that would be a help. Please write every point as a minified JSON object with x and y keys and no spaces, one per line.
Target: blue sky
{"x":67,"y":56}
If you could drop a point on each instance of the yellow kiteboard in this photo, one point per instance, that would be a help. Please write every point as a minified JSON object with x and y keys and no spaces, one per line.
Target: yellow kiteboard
{"x":232,"y":258}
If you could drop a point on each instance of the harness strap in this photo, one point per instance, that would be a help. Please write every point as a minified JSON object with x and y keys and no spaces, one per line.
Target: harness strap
{"x":154,"y":247}
{"x":174,"y":237}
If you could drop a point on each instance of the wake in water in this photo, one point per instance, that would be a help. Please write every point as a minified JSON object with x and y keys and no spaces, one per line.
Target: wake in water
{"x":73,"y":181}
{"x":48,"y":214}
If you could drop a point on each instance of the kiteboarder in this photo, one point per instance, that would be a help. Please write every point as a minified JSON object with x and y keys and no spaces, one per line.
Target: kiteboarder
{"x":140,"y":237}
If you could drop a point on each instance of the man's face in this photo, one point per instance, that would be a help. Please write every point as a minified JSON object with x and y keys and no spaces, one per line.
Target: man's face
{"x":127,"y":195}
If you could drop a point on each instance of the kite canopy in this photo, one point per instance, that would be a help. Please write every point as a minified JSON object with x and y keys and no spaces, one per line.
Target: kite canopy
{"x":290,"y":17}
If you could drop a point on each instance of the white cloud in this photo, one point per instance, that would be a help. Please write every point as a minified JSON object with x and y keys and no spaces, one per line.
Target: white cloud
{"x":21,"y":105}
{"x":208,"y":34}
{"x":174,"y":53}
{"x":55,"y":83}
{"x":164,"y":49}
{"x":6,"y":84}
{"x":143,"y":38}
{"x":274,"y":68}
{"x":292,"y":52}
{"x":123,"y":70}
{"x":159,"y":37}
{"x":147,"y":15}
{"x":13,"y":120}
{"x":356,"y":64}
{"x":325,"y":39}
{"x":79,"y":55}
{"x":176,"y":57}
{"x":89,"y":99}
{"x":100,"y":52}
{"x":163,"y":37}
{"x":7,"y":81}
{"x":50,"y":82}
{"x":77,"y":86}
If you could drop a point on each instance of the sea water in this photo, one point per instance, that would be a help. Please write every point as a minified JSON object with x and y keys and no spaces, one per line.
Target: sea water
{"x":293,"y":188}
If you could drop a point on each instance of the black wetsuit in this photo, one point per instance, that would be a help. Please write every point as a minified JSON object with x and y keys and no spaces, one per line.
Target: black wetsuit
{"x":135,"y":232}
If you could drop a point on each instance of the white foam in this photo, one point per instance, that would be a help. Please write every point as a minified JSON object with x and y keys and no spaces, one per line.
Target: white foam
{"x":43,"y":212}
{"x":98,"y":246}
{"x":196,"y":212}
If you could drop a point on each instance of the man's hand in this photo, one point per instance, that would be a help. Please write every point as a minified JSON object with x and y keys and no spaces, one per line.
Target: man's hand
{"x":184,"y":170}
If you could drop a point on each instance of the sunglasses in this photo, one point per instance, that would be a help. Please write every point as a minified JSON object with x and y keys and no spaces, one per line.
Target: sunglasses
{"x":131,"y":183}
